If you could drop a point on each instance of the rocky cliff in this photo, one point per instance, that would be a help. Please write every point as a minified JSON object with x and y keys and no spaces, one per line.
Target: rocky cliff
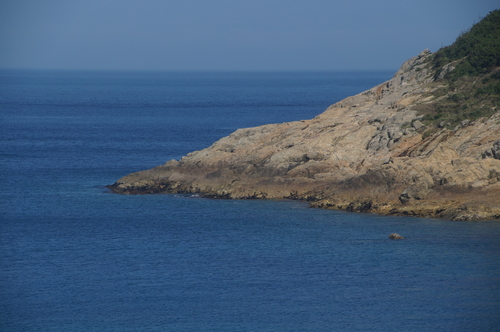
{"x":373,"y":152}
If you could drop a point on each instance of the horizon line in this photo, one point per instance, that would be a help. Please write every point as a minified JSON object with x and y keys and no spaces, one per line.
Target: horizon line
{"x":197,"y":70}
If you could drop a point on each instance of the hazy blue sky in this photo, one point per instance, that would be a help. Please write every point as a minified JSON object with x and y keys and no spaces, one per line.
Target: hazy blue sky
{"x":228,"y":34}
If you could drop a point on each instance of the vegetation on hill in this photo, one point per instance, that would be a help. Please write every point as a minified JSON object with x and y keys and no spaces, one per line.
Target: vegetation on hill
{"x":472,"y":89}
{"x":477,"y":49}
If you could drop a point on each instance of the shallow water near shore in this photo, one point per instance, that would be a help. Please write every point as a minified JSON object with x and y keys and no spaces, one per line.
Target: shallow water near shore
{"x":76,"y":257}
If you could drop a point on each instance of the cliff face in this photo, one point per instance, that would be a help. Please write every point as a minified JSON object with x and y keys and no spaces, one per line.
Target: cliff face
{"x":371,"y":152}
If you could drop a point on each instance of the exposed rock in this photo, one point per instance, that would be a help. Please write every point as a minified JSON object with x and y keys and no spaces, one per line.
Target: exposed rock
{"x":395,"y":236}
{"x":359,"y":206}
{"x":417,"y":124}
{"x":366,"y":153}
{"x":469,"y":212}
{"x":446,"y":69}
{"x":494,"y":152}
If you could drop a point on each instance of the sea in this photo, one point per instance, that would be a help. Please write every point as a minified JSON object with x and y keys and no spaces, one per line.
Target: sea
{"x":76,"y":257}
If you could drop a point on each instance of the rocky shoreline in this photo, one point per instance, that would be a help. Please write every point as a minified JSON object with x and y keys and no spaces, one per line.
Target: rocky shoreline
{"x":371,"y":152}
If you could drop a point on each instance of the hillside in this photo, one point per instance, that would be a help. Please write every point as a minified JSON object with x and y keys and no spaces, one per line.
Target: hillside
{"x":425,"y":143}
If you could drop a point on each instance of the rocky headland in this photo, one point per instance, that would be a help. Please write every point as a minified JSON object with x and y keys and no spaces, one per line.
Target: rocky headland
{"x":396,"y":149}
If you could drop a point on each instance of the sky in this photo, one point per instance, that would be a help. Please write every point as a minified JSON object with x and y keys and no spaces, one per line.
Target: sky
{"x":229,"y":35}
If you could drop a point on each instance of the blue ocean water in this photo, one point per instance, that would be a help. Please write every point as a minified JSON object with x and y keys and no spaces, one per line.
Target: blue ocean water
{"x":75,"y":257}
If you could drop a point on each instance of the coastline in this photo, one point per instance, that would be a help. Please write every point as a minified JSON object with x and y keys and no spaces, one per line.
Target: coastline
{"x":371,"y":152}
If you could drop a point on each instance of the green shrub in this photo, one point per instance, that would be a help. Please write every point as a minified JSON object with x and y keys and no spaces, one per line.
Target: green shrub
{"x":472,"y":90}
{"x":477,"y":49}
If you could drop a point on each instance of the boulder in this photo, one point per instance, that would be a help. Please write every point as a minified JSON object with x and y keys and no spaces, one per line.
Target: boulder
{"x":395,"y":236}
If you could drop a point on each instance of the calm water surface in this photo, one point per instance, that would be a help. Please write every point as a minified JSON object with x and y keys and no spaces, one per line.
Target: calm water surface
{"x":78,"y":258}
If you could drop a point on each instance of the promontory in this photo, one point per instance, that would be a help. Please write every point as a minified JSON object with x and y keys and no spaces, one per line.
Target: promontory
{"x":424,"y":143}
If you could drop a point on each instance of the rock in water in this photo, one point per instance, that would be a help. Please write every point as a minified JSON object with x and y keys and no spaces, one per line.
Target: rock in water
{"x":395,"y":236}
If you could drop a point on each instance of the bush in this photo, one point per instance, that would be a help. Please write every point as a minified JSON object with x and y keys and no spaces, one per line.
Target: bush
{"x":477,"y":49}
